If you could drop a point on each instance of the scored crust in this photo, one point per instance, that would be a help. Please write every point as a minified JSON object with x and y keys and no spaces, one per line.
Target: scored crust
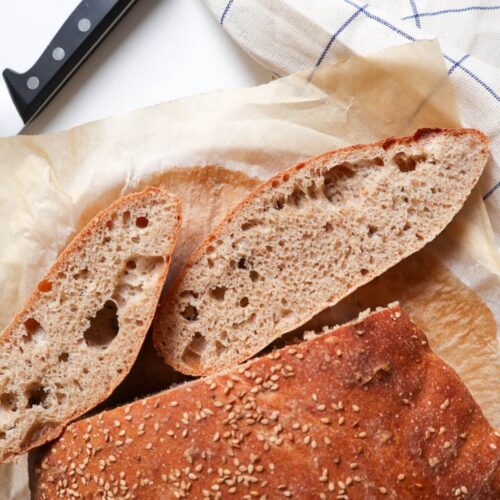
{"x":310,"y":236}
{"x":81,"y":329}
{"x":364,"y":411}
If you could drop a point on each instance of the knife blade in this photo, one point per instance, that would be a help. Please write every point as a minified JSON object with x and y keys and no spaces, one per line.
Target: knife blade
{"x":24,"y":95}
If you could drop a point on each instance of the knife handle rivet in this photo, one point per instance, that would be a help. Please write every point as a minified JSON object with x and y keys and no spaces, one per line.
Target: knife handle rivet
{"x":33,"y":82}
{"x":58,"y":53}
{"x":84,"y":24}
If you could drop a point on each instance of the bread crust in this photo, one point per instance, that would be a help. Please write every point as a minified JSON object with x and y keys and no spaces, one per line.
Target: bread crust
{"x":51,"y":431}
{"x":201,"y":251}
{"x":366,"y":411}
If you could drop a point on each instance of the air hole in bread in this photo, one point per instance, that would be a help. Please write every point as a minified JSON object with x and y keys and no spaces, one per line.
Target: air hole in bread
{"x":141,"y":222}
{"x":194,"y":350}
{"x":242,"y":263}
{"x":210,"y":263}
{"x":190,"y":313}
{"x":77,"y":383}
{"x":250,"y":224}
{"x":8,"y":401}
{"x":244,"y":302}
{"x":2,"y":435}
{"x":406,"y":226}
{"x":83,"y":273}
{"x":372,"y":229}
{"x":254,"y":276}
{"x":45,"y":286}
{"x":103,"y":326}
{"x":60,"y":397}
{"x":312,"y":191}
{"x":189,"y":293}
{"x":109,"y":224}
{"x":36,"y":395}
{"x":32,"y":328}
{"x":328,"y":227}
{"x":131,"y":264}
{"x":126,"y":217}
{"x":296,"y":198}
{"x":279,"y":203}
{"x":217,"y":292}
{"x":135,"y":239}
{"x":275,"y":183}
{"x":364,"y":272}
{"x":63,"y":357}
{"x":408,"y":163}
{"x":219,"y":348}
{"x":85,"y":370}
{"x":139,"y":322}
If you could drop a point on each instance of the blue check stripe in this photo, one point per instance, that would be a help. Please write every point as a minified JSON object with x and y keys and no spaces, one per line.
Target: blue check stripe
{"x":228,"y":6}
{"x":337,"y":33}
{"x":415,"y":12}
{"x":369,"y":15}
{"x":457,"y":64}
{"x":411,"y":38}
{"x":451,"y":11}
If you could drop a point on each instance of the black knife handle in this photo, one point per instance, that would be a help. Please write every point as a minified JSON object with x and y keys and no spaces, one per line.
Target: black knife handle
{"x":87,"y":25}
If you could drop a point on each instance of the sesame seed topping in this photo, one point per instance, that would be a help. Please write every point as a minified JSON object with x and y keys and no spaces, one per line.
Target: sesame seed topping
{"x":445,"y":404}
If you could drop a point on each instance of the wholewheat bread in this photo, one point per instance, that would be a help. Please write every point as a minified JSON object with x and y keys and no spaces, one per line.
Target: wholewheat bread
{"x":365,"y":411}
{"x":308,"y":237}
{"x":80,"y":331}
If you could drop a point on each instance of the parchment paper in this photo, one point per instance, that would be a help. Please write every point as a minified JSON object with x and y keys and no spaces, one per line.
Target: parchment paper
{"x":51,"y":185}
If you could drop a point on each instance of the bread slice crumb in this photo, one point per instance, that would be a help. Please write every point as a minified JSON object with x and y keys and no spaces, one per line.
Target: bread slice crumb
{"x":310,"y":236}
{"x":81,"y":329}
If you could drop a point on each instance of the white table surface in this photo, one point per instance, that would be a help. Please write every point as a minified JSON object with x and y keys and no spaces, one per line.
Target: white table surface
{"x":161,"y":50}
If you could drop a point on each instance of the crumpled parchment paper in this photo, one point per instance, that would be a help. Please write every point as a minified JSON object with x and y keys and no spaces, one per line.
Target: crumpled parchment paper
{"x":51,"y":185}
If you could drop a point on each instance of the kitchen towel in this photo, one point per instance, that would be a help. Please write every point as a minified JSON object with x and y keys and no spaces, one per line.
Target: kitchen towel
{"x":299,"y":35}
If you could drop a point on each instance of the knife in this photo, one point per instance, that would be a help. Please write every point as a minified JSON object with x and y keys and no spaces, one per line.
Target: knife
{"x":24,"y":95}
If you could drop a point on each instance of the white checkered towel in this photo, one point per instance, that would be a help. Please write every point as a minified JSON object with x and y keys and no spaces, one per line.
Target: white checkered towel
{"x":295,"y":35}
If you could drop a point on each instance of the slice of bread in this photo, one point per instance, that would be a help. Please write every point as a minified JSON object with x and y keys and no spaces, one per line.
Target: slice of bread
{"x":80,"y":331}
{"x":366,"y":411}
{"x":310,"y":236}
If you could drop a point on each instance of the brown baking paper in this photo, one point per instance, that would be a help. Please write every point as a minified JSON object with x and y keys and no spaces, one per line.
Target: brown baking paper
{"x":212,"y":149}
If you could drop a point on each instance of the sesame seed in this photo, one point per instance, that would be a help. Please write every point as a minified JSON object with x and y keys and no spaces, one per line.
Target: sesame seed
{"x":116,"y":423}
{"x":401,"y":477}
{"x":383,"y":490}
{"x":493,"y":446}
{"x":341,"y":420}
{"x":355,"y":408}
{"x":362,"y":434}
{"x":433,"y":461}
{"x":445,"y":404}
{"x":174,"y":403}
{"x":446,"y":445}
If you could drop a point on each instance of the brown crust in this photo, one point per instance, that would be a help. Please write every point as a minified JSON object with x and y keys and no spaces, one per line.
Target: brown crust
{"x":50,"y":432}
{"x":366,"y":411}
{"x":201,"y":250}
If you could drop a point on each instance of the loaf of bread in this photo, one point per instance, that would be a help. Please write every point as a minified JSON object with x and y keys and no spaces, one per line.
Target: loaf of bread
{"x":364,"y":411}
{"x":310,"y":236}
{"x":80,"y":331}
